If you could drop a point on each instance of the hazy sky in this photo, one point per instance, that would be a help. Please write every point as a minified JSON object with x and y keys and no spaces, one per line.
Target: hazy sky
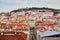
{"x":8,"y":5}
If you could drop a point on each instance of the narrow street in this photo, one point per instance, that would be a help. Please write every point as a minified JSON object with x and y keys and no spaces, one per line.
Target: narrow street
{"x":33,"y":34}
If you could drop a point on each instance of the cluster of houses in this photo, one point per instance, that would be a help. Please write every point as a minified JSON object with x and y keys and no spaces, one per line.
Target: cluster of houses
{"x":43,"y":19}
{"x":20,"y":19}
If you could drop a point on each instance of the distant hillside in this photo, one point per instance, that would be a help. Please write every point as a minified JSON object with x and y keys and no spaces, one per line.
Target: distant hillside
{"x":35,"y":8}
